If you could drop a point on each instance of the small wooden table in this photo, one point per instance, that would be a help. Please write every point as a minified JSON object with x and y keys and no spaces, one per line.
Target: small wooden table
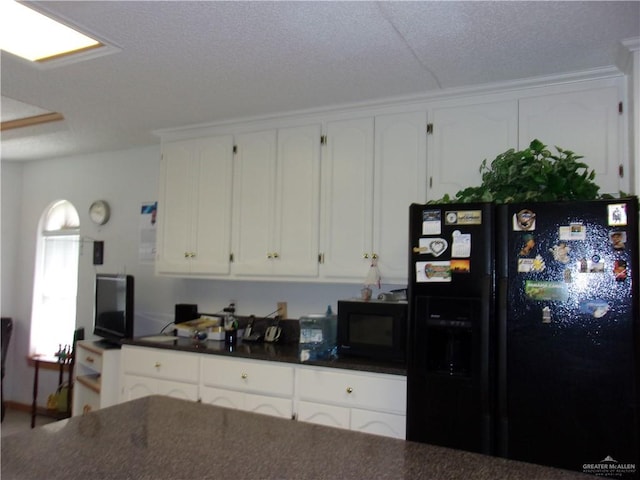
{"x":49,"y":363}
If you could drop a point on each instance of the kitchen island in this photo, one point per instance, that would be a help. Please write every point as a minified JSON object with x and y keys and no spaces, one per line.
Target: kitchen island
{"x":159,"y":437}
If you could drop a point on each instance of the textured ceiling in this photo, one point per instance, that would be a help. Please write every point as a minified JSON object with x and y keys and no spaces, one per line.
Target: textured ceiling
{"x":182,"y":63}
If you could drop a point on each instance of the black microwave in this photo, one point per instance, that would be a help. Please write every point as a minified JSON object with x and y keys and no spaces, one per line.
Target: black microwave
{"x":373,"y":329}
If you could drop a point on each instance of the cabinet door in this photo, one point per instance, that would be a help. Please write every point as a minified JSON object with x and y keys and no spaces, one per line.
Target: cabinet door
{"x":211,"y":232}
{"x":386,"y":424}
{"x":463,"y":136}
{"x":134,"y":386}
{"x":400,"y":180}
{"x":253,"y":206}
{"x":222,"y":397}
{"x":175,"y":208}
{"x":347,"y":199}
{"x":266,"y":405}
{"x":297,"y":207}
{"x":322,"y":414}
{"x":194,"y":211}
{"x":185,"y":391}
{"x":585,"y":122}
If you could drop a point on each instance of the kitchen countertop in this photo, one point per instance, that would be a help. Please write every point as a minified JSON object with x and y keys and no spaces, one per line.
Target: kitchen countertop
{"x":277,"y":352}
{"x":165,"y":438}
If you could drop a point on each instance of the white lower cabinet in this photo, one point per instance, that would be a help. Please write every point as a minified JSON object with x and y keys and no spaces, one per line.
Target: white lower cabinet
{"x":152,"y":371}
{"x":362,"y":401}
{"x":96,"y":377}
{"x":256,"y":386}
{"x":354,"y":400}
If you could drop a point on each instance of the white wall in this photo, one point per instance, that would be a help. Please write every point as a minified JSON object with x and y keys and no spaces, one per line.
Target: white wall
{"x":125,"y":179}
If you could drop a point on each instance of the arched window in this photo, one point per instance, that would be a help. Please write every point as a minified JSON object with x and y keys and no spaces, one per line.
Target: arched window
{"x":53,"y":316}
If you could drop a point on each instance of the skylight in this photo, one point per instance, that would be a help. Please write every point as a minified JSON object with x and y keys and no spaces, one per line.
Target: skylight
{"x":36,"y":37}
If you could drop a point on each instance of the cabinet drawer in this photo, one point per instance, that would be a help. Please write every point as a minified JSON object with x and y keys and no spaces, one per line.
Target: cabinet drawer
{"x":243,"y":375}
{"x":156,"y":363}
{"x":360,"y":390}
{"x":88,"y":358}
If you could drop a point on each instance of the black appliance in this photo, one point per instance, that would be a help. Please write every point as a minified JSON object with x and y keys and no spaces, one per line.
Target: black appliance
{"x":114,"y":307}
{"x":373,"y":329}
{"x":524,"y":335}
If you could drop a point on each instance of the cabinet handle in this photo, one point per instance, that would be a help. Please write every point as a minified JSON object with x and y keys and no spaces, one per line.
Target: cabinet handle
{"x":269,"y":255}
{"x":192,"y":254}
{"x":349,"y":390}
{"x":244,"y":376}
{"x":374,"y":256}
{"x":365,"y":255}
{"x":90,"y":359}
{"x":275,"y":255}
{"x":157,"y":365}
{"x":186,"y":254}
{"x":86,"y":409}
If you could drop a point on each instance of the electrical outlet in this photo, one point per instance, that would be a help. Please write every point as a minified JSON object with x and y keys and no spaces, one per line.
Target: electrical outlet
{"x":282,"y":309}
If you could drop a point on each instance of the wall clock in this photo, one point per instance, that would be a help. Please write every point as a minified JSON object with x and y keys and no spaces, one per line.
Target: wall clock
{"x":99,"y":212}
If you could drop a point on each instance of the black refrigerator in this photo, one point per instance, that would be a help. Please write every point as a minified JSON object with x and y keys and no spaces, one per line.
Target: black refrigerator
{"x":524,"y":337}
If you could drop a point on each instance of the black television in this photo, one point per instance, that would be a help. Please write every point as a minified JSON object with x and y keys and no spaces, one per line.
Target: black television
{"x":113,"y":314}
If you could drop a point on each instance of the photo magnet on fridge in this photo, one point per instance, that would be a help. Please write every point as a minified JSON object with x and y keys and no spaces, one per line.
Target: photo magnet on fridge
{"x":617,"y":214}
{"x":524,"y":220}
{"x":618,"y":240}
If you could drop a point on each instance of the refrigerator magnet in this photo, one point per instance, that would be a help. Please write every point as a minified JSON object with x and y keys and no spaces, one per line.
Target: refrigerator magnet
{"x":526,"y":265}
{"x":618,"y":240}
{"x":547,"y":291}
{"x":597,"y":308}
{"x":617,"y":214}
{"x":620,"y":270}
{"x":524,"y":220}
{"x":431,"y":222}
{"x":528,"y":245}
{"x":460,"y":265}
{"x":461,"y":244}
{"x":560,"y":252}
{"x":433,"y":272}
{"x":434,"y":246}
{"x":463,"y":217}
{"x":574,"y":231}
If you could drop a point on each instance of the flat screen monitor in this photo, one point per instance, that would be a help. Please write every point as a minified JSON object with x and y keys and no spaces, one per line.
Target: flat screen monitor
{"x":113,"y":315}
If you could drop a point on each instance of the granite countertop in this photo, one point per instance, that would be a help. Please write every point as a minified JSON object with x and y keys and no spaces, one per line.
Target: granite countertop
{"x":165,"y":438}
{"x":277,"y":352}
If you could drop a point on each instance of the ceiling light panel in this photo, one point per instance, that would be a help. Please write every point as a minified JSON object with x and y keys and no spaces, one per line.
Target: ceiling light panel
{"x":36,"y":37}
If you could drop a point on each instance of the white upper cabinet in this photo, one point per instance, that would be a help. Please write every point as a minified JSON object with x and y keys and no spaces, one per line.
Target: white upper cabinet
{"x":277,"y":202}
{"x":583,"y":121}
{"x":253,"y":202}
{"x":462,"y":137}
{"x":400,"y":179}
{"x":374,"y":168}
{"x":194,"y":207}
{"x":347,"y":180}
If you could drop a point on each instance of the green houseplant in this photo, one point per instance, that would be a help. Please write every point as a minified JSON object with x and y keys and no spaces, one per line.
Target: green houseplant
{"x":533,"y":174}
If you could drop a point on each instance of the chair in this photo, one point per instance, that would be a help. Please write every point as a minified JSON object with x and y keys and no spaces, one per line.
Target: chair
{"x":7,"y":328}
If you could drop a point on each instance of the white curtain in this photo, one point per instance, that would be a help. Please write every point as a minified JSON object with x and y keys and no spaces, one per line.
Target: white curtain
{"x":54,"y":315}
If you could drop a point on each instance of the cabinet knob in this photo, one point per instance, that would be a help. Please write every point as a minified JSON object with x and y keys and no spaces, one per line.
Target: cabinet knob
{"x":157,"y":365}
{"x":89,"y":359}
{"x":365,"y":255}
{"x":349,"y":390}
{"x":374,"y":256}
{"x":275,"y":255}
{"x":269,"y":255}
{"x":186,"y":254}
{"x":86,"y":409}
{"x":244,"y":376}
{"x":192,"y":254}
